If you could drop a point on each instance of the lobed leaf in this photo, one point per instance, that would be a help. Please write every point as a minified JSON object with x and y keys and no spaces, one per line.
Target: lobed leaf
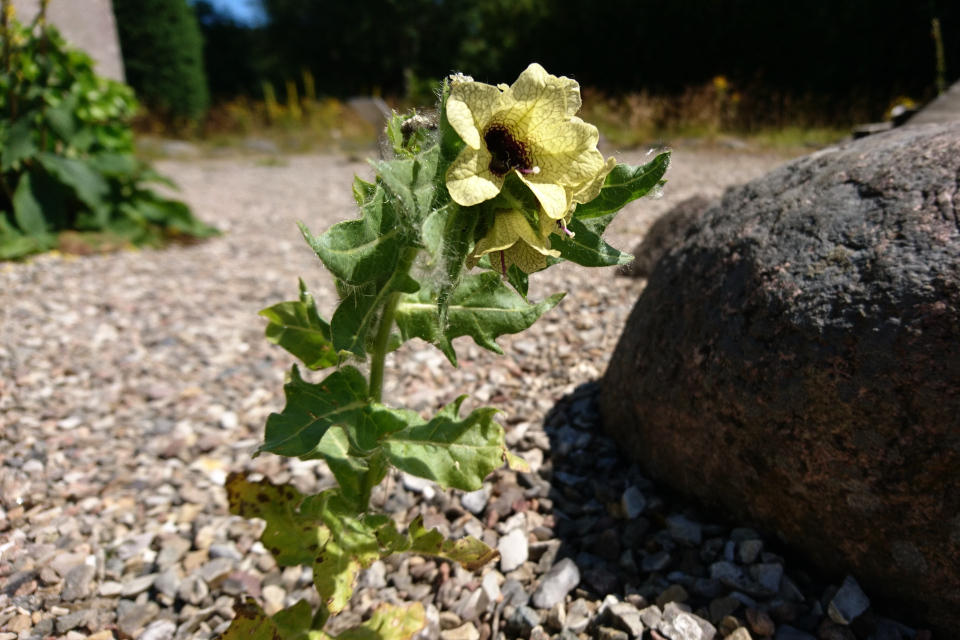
{"x":89,"y":186}
{"x":469,"y":552}
{"x":624,"y":185}
{"x":587,"y":248}
{"x":297,"y":327}
{"x":251,"y":623}
{"x":291,"y":536}
{"x":293,"y":623}
{"x":364,"y":250}
{"x":481,"y":307}
{"x":450,"y":451}
{"x":27,"y":210}
{"x":334,"y":572}
{"x":354,"y":319}
{"x":311,"y":409}
{"x":18,"y":145}
{"x":389,"y":623}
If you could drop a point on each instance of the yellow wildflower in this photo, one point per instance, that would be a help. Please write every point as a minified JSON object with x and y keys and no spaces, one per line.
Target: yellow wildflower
{"x":528,"y":128}
{"x":513,"y":240}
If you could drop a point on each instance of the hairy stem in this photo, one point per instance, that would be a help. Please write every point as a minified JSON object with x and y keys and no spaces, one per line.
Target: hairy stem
{"x":378,"y":354}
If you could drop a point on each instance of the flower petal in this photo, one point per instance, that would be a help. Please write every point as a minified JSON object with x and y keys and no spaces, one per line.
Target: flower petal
{"x":552,"y":196}
{"x":528,"y":258}
{"x":591,"y":189}
{"x":566,"y":153}
{"x":469,"y":179}
{"x":510,"y":228}
{"x":470,"y":108}
{"x":571,"y":89}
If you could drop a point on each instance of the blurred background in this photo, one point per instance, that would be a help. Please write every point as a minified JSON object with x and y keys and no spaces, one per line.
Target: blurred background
{"x":798,"y":73}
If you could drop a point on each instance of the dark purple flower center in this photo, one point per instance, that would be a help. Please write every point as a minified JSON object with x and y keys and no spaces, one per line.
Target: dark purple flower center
{"x":507,"y":152}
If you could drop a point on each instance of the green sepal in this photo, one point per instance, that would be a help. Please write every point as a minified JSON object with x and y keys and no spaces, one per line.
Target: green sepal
{"x":451,"y":451}
{"x":469,"y":552}
{"x":297,"y":327}
{"x":586,"y":248}
{"x":482,"y":307}
{"x":410,"y":184}
{"x":451,"y":144}
{"x":624,"y":185}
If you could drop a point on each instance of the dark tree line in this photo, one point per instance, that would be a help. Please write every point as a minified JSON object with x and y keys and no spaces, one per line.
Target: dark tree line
{"x":827,"y":48}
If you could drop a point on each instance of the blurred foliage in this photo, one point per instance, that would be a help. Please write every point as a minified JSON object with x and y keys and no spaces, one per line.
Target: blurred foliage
{"x":66,"y":153}
{"x":832,"y":58}
{"x":163,"y":55}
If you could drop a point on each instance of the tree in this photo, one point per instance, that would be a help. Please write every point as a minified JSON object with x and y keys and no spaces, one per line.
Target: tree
{"x":163,"y":55}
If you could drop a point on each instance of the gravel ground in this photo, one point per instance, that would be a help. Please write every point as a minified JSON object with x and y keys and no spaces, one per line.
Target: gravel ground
{"x":132,"y":383}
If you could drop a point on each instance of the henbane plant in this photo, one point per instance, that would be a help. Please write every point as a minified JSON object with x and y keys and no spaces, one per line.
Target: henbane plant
{"x":505,"y":181}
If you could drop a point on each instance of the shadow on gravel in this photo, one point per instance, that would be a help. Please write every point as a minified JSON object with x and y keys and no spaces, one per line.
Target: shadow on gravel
{"x":657,"y":565}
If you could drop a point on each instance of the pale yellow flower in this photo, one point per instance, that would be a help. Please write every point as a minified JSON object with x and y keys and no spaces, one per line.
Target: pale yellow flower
{"x":513,"y":239}
{"x":528,"y":128}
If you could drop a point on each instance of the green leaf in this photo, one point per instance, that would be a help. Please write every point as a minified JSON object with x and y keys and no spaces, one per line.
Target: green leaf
{"x":27,"y":210}
{"x":469,"y":552}
{"x":586,"y":248}
{"x":361,"y":251}
{"x":292,"y":536}
{"x":89,"y":186}
{"x":623,"y":185}
{"x":356,"y":473}
{"x":519,"y":280}
{"x":410,"y":183}
{"x":363,"y":191}
{"x":455,"y":246}
{"x":62,"y":120}
{"x":334,"y":572}
{"x":312,"y":409}
{"x":450,"y":142}
{"x":355,"y":318}
{"x":294,"y":622}
{"x":389,"y":623}
{"x":251,"y":623}
{"x":450,"y":451}
{"x":19,"y":144}
{"x":297,"y":327}
{"x":481,"y":307}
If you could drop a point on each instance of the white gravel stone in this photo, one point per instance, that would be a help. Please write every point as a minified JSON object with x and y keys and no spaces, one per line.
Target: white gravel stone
{"x":514,"y":550}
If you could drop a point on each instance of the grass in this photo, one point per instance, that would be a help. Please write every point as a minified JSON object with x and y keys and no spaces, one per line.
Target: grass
{"x":711,"y":115}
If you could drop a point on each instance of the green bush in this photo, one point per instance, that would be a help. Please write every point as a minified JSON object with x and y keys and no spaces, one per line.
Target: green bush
{"x":163,"y":55}
{"x":66,"y":152}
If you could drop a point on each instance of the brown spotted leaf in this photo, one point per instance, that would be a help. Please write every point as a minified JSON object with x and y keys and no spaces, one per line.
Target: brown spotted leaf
{"x":294,"y":538}
{"x":469,"y":552}
{"x":251,"y":623}
{"x":389,"y":623}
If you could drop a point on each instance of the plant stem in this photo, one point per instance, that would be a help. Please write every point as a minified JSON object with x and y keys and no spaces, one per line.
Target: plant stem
{"x":378,"y":353}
